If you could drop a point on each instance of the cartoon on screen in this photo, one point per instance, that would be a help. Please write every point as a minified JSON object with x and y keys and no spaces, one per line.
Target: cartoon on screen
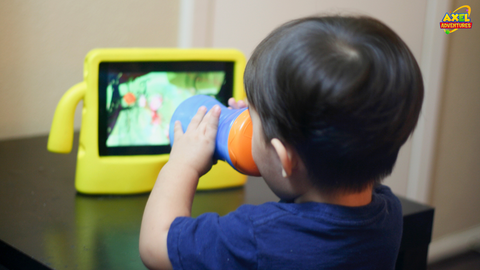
{"x":139,"y":106}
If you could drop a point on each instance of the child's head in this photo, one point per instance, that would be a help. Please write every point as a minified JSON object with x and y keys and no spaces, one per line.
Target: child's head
{"x":344,"y":92}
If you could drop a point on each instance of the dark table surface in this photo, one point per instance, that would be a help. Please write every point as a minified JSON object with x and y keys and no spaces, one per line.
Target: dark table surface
{"x":45,"y":223}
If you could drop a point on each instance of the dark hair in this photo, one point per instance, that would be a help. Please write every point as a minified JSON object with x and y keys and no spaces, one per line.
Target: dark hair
{"x":345,"y":92}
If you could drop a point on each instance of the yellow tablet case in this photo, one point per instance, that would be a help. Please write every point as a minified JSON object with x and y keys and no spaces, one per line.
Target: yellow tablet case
{"x":98,"y":174}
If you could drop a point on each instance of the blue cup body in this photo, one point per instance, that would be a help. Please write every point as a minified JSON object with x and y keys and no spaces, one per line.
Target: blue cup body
{"x":189,"y":107}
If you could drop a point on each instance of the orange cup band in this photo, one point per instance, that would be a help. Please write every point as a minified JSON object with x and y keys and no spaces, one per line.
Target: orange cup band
{"x":240,"y":145}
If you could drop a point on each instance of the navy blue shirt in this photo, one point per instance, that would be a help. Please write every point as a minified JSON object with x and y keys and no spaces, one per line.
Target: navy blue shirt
{"x":291,"y":236}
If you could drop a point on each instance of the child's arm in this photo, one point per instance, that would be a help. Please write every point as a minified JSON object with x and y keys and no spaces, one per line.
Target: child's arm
{"x":172,"y":195}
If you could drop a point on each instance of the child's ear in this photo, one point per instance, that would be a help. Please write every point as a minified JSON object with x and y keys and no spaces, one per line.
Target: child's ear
{"x":285,"y":155}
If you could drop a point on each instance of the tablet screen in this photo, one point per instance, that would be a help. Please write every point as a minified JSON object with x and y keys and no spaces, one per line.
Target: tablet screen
{"x":137,"y":101}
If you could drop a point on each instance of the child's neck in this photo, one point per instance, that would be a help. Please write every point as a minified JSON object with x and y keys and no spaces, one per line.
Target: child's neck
{"x":345,"y":199}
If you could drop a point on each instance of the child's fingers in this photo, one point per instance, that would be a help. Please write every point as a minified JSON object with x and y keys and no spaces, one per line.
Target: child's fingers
{"x":177,"y":131}
{"x":236,"y":104}
{"x":197,"y":118}
{"x":207,"y":119}
{"x":241,"y":104}
{"x":212,"y":122}
{"x":232,"y":104}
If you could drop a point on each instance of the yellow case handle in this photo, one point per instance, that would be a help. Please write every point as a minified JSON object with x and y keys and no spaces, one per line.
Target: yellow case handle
{"x":60,"y":139}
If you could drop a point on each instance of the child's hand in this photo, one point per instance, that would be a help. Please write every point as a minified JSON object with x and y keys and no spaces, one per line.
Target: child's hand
{"x":194,"y":148}
{"x":236,"y":104}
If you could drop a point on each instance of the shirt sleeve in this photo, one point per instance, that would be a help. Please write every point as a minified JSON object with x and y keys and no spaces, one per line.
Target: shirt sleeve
{"x":212,"y":242}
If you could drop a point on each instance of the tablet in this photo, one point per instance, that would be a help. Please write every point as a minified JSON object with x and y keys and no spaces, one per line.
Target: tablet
{"x":129,"y":96}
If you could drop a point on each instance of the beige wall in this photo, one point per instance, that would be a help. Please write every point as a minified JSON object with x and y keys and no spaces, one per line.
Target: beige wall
{"x":43,"y":45}
{"x":456,"y":186}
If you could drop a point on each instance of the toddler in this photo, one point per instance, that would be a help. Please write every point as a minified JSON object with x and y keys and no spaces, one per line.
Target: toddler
{"x":332,"y":99}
